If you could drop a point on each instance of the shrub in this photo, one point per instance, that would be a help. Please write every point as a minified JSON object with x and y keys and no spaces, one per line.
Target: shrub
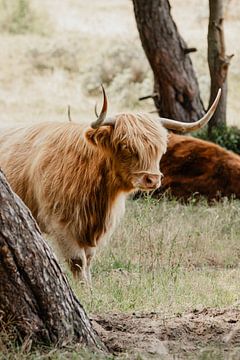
{"x":227,"y":137}
{"x":123,"y":68}
{"x":18,"y":17}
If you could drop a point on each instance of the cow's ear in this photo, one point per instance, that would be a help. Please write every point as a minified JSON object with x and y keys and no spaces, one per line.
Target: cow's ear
{"x":99,"y":137}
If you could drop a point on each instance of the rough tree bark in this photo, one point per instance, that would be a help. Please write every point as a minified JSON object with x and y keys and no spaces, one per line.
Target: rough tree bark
{"x":35,"y":296}
{"x":176,"y":91}
{"x":218,"y":62}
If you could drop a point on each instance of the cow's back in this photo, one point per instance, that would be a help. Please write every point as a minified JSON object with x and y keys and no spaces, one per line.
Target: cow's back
{"x":18,"y":151}
{"x":22,"y":153}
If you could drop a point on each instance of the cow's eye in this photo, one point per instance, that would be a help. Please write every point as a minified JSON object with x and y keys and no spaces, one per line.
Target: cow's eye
{"x":123,"y":147}
{"x":135,"y":156}
{"x":126,"y":154}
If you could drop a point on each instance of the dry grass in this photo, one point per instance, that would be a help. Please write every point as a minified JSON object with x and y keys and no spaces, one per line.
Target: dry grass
{"x":20,"y":17}
{"x":87,"y":43}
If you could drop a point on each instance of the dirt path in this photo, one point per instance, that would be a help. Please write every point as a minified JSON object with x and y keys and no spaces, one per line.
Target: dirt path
{"x":154,"y":336}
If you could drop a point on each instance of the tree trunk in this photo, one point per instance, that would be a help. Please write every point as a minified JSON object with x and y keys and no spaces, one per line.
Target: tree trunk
{"x":176,"y":91}
{"x":218,"y":62}
{"x":35,"y":297}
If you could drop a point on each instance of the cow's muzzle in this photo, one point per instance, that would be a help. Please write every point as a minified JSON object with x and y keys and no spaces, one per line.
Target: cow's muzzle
{"x":149,"y":181}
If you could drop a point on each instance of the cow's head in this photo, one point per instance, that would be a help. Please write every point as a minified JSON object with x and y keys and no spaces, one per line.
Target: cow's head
{"x":136,"y":143}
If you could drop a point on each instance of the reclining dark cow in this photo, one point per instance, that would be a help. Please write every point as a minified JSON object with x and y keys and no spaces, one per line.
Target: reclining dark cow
{"x":75,"y":178}
{"x":196,"y":167}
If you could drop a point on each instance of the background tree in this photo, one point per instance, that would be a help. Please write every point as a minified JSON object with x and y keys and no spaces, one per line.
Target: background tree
{"x":35,"y":297}
{"x":176,"y":91}
{"x":218,"y":62}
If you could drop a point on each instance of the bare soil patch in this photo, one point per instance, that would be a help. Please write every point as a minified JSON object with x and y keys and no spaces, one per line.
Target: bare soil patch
{"x":154,"y":335}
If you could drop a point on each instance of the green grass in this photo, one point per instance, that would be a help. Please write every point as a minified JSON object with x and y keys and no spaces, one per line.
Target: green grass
{"x":168,"y":256}
{"x":74,"y":353}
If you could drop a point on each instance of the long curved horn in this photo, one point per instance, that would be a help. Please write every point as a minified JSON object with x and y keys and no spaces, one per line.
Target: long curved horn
{"x":187,"y":127}
{"x":96,"y":124}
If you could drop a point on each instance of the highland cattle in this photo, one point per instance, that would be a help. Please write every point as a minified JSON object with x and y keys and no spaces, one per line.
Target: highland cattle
{"x":75,"y":178}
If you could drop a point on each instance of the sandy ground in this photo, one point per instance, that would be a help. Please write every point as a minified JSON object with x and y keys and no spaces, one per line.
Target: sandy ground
{"x":157,"y":336}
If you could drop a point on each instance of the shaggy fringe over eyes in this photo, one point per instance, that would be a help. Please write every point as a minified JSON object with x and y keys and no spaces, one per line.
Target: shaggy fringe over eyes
{"x":142,"y":134}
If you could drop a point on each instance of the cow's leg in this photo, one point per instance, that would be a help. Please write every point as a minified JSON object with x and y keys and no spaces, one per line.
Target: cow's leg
{"x":73,"y":254}
{"x":78,"y":266}
{"x":89,"y":252}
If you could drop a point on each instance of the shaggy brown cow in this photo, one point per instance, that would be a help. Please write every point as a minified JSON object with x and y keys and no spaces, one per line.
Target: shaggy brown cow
{"x":75,"y":178}
{"x":193,"y":166}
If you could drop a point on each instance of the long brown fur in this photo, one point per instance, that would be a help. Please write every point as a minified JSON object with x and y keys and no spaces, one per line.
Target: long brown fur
{"x":75,"y":179}
{"x":196,"y":167}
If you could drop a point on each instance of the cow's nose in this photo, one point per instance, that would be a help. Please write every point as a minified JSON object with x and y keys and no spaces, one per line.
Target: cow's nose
{"x":151,"y":181}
